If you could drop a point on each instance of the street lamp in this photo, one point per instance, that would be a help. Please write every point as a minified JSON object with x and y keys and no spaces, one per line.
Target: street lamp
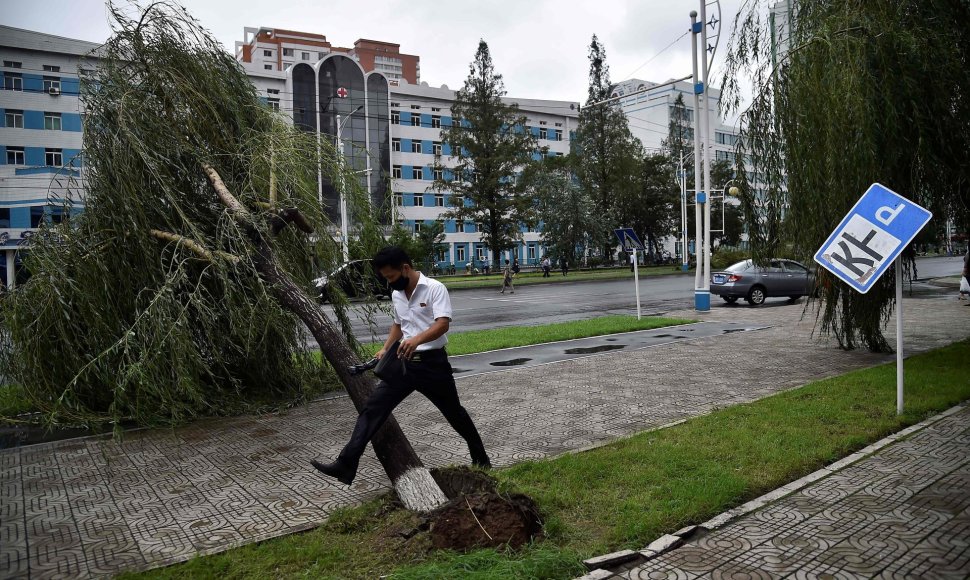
{"x":344,"y":231}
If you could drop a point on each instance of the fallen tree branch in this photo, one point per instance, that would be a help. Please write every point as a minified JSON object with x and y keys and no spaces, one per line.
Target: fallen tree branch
{"x":193,"y":245}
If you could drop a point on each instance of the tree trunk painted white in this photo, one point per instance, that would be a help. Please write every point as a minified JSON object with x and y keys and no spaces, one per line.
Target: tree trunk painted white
{"x":419,"y":491}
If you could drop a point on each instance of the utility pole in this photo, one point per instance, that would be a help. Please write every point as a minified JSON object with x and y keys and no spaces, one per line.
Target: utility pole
{"x":685,"y":259}
{"x":702,"y":300}
{"x":344,"y":230}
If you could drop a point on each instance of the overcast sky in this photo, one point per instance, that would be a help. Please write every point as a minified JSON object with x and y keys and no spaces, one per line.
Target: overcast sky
{"x":539,"y":46}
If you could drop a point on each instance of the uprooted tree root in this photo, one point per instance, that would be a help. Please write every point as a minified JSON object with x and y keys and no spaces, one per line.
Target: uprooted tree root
{"x":475,"y":516}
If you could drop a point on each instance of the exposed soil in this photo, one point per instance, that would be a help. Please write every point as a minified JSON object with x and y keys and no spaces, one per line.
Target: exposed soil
{"x":476,"y":516}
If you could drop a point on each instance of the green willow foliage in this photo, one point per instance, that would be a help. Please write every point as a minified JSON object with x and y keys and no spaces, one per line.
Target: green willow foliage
{"x":118,"y":326}
{"x":867,"y":91}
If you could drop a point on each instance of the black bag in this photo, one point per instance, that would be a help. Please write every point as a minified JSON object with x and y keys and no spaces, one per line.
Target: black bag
{"x":390,"y":366}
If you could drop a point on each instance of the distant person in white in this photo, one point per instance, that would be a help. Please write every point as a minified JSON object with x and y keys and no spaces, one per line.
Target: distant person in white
{"x":422,"y":315}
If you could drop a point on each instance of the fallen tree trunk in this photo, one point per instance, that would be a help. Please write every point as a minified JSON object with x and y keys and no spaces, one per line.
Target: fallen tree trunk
{"x":412,"y":481}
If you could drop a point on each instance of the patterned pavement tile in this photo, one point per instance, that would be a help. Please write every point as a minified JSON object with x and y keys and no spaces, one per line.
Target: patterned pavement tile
{"x":96,"y":506}
{"x":866,"y":531}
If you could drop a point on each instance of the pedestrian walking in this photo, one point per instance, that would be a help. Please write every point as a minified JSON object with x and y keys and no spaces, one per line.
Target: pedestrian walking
{"x":507,"y":275}
{"x":546,"y":266}
{"x":515,"y":266}
{"x":421,"y":310}
{"x":564,"y":265}
{"x":966,"y":271}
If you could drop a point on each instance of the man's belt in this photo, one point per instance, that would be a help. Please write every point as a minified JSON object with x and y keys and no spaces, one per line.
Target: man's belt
{"x":430,"y":354}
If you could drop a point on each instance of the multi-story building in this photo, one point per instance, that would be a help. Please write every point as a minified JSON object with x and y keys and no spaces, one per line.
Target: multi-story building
{"x":41,"y":169}
{"x":650,"y":115}
{"x":418,"y":114}
{"x":274,"y":49}
{"x":390,"y":133}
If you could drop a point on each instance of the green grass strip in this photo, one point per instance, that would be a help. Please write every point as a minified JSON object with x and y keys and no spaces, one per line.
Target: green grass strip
{"x":495,"y":280}
{"x":631,"y":491}
{"x":13,"y":401}
{"x":474,"y":341}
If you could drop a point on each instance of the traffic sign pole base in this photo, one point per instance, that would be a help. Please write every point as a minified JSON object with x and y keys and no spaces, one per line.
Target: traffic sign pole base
{"x":702,"y":300}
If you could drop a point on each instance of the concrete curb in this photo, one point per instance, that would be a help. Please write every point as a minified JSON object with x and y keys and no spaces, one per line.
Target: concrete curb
{"x":600,"y":565}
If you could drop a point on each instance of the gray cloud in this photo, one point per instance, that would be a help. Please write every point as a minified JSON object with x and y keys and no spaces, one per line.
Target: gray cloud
{"x":540,"y":47}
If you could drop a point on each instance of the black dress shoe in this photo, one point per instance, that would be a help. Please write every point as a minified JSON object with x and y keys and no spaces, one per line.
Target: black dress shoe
{"x":344,"y":473}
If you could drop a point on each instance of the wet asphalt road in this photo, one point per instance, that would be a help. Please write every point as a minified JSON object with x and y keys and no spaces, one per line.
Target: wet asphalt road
{"x":478,"y":309}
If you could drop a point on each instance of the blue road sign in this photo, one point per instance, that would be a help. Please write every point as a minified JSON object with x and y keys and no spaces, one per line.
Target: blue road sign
{"x":628,"y":239}
{"x":877,"y":228}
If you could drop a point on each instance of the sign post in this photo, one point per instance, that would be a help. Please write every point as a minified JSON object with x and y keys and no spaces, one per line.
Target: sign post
{"x":859,"y":251}
{"x":631,"y":243}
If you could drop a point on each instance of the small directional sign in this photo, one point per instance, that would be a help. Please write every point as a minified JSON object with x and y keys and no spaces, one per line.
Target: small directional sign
{"x":875,"y":231}
{"x":628,"y":239}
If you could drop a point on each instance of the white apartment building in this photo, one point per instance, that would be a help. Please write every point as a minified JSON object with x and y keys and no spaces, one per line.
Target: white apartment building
{"x":40,"y":137}
{"x":418,"y":114}
{"x":649,"y":115}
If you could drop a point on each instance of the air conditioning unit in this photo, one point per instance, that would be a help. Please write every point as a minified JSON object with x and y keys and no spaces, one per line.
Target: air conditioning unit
{"x":54,"y":91}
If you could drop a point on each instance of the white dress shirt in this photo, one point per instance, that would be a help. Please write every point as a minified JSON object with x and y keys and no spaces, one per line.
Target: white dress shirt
{"x":429,"y":301}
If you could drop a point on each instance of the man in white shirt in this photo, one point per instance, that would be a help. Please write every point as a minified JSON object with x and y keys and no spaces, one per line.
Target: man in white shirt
{"x":422,"y":314}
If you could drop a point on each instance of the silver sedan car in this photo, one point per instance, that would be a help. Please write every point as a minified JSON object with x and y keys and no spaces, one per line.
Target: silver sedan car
{"x":780,"y":278}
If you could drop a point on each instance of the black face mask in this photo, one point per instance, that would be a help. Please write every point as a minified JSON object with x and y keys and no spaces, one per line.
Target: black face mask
{"x":400,"y":284}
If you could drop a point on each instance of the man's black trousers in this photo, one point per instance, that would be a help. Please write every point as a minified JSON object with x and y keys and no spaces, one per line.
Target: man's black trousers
{"x":432,"y":377}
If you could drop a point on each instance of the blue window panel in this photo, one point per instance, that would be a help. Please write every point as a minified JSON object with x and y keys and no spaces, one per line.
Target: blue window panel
{"x":34,"y":155}
{"x":405,"y":118}
{"x":33,"y":83}
{"x":550,"y":154}
{"x":70,"y":86}
{"x":427,"y":147}
{"x":72,"y":157}
{"x":519,"y":129}
{"x":425,"y":119}
{"x":536,"y":156}
{"x":445,"y":149}
{"x":405,"y":172}
{"x":3,"y":154}
{"x":33,"y":119}
{"x":446,"y":121}
{"x":70,"y":122}
{"x":428,"y":174}
{"x":20,"y":218}
{"x":405,"y":145}
{"x":535,"y":131}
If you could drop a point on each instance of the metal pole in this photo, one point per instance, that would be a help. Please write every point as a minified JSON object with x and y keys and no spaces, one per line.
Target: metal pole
{"x":636,"y":279}
{"x":683,"y":215}
{"x":899,"y":334}
{"x":698,"y":289}
{"x":706,"y":150}
{"x":343,"y":202}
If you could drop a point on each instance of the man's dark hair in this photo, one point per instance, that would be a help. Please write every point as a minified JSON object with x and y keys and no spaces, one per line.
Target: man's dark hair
{"x":393,"y":256}
{"x":506,"y":261}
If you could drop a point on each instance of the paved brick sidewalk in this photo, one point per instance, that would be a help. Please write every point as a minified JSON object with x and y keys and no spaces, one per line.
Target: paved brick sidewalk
{"x":92,"y":507}
{"x":903,"y":512}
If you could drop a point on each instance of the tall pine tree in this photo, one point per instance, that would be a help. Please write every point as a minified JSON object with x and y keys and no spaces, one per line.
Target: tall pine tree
{"x":604,"y":148}
{"x":489,"y":144}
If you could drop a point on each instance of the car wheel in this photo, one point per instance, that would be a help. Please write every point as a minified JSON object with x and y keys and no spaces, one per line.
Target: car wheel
{"x":730,"y":299}
{"x":756,"y":296}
